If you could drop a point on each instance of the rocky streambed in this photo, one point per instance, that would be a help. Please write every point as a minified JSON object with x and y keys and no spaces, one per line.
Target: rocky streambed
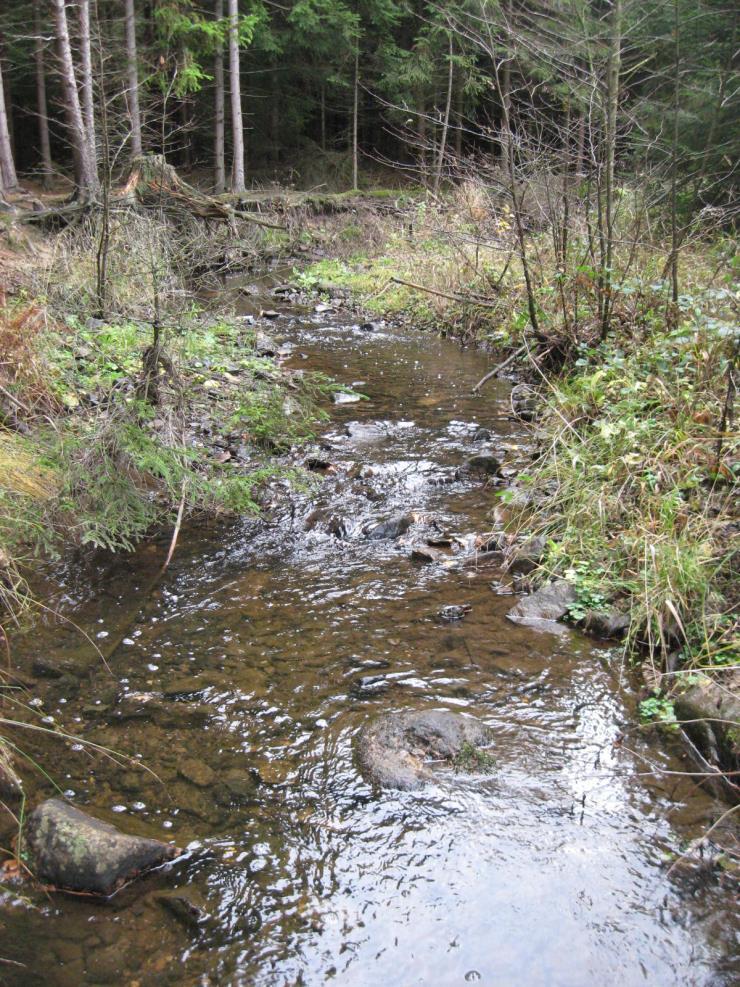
{"x":374,"y":774}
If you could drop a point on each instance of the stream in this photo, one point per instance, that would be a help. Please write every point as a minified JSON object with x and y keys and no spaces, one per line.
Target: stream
{"x":244,"y":677}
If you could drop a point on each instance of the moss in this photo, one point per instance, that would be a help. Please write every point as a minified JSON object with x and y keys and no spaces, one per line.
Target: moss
{"x":474,"y":760}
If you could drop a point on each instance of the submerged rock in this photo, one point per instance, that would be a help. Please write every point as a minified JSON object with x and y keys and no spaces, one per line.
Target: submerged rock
{"x":549,"y":603}
{"x":197,"y":772}
{"x":395,"y":750}
{"x":185,"y":906}
{"x":76,"y":852}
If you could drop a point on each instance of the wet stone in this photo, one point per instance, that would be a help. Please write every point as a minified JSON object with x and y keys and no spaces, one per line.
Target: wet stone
{"x":452,"y":613}
{"x":526,"y":557}
{"x":426,"y":553}
{"x":710,"y":708}
{"x":77,"y":852}
{"x":397,"y":750}
{"x":549,"y":603}
{"x":485,"y":464}
{"x":492,"y":542}
{"x":391,"y":528}
{"x":606,"y":623}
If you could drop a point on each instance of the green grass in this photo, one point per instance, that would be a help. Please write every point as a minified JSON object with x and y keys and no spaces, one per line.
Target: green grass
{"x":111,"y":467}
{"x":630,"y":490}
{"x":473,"y":759}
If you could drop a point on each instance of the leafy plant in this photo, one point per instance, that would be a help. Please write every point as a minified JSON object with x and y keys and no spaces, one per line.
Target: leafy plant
{"x":473,"y":759}
{"x":658,"y":709}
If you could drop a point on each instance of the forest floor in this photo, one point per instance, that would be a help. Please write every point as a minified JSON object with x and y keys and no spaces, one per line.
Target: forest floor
{"x":171,"y":405}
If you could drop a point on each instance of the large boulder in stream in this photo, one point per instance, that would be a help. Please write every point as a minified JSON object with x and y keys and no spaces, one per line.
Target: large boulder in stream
{"x":548,"y":604}
{"x":397,"y":750}
{"x":76,"y":852}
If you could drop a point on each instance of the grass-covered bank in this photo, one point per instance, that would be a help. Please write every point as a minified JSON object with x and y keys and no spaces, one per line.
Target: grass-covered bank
{"x":111,"y":427}
{"x":634,"y":483}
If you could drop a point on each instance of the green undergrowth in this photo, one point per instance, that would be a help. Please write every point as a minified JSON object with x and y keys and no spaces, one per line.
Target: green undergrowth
{"x":104,"y":463}
{"x":636,"y":487}
{"x":635,"y":484}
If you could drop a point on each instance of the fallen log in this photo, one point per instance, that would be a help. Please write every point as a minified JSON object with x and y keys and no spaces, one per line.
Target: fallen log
{"x":152,"y":184}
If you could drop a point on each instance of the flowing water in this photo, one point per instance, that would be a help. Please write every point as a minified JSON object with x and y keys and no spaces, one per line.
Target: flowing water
{"x":243,"y":678}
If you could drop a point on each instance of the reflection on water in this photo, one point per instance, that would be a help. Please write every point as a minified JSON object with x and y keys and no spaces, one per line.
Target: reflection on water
{"x":263,"y":652}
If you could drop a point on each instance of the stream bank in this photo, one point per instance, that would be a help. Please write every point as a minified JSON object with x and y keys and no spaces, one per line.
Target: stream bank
{"x":243,"y":681}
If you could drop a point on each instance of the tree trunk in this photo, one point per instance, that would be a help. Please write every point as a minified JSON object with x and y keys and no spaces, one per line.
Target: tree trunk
{"x":610,"y":137}
{"x":219,"y":158}
{"x":86,"y":82}
{"x":8,"y":94}
{"x":674,"y":157}
{"x":323,"y":115}
{"x":132,"y":74}
{"x":421,"y":134}
{"x":274,"y":115}
{"x":355,"y":117}
{"x":41,"y":104}
{"x":459,"y":115}
{"x":8,"y":177}
{"x":503,"y":86}
{"x":86,"y":177}
{"x":186,"y":126}
{"x":445,"y":122}
{"x":581,"y":146}
{"x":237,"y":171}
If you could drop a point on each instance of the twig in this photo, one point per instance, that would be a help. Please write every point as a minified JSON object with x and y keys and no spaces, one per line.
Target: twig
{"x":500,"y":367}
{"x":176,"y":532}
{"x":480,"y":302}
{"x":15,"y":400}
{"x":697,"y":843}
